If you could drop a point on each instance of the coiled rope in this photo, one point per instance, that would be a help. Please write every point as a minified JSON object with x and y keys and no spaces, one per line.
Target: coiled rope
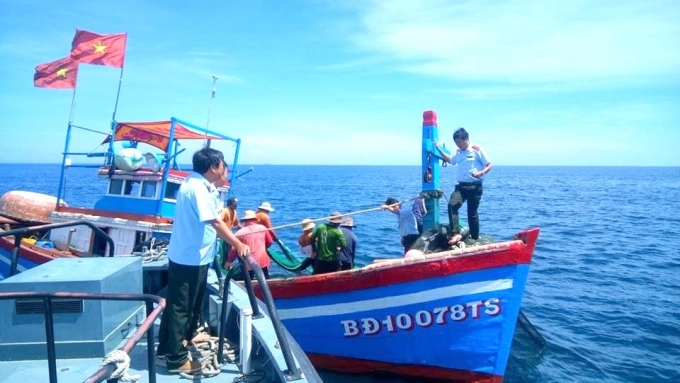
{"x":205,"y":352}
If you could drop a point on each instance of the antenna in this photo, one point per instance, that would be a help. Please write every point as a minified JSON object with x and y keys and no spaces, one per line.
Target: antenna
{"x":212,"y":96}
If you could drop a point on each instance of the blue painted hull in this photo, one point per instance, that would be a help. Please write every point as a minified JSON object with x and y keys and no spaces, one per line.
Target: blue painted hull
{"x":6,"y":260}
{"x":446,"y":317}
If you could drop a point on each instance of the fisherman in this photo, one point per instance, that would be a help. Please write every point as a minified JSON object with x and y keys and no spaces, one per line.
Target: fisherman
{"x":258,"y":239}
{"x":263,"y":217}
{"x":349,"y":252}
{"x":327,"y":242}
{"x":408,"y":228}
{"x":305,"y":239}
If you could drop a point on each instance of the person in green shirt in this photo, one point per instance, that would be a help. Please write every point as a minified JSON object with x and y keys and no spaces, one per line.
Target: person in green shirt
{"x":327,"y":242}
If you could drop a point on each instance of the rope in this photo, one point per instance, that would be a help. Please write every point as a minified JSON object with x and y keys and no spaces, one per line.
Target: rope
{"x":205,"y":352}
{"x":154,"y":253}
{"x":121,"y":360}
{"x":341,"y":215}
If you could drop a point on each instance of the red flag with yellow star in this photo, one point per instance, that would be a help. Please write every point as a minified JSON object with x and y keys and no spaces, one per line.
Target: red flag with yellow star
{"x":91,"y":48}
{"x":60,"y":74}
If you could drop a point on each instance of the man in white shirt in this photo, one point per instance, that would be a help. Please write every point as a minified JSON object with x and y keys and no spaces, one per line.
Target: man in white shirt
{"x":472,"y":164}
{"x":191,"y":250}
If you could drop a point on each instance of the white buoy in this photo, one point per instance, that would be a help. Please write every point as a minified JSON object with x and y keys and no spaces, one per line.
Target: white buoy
{"x":246,"y":317}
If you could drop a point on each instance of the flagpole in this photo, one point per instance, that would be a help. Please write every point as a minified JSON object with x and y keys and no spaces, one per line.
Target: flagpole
{"x":109,"y":157}
{"x":73,"y":107}
{"x":212,"y":96}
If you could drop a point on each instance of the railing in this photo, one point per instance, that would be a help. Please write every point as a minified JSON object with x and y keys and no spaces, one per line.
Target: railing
{"x":20,"y":233}
{"x":104,"y":372}
{"x":293,"y":372}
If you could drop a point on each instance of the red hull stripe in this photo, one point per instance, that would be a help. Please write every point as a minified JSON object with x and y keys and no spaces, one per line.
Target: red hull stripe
{"x":32,"y":253}
{"x":376,"y":275}
{"x":359,"y":366}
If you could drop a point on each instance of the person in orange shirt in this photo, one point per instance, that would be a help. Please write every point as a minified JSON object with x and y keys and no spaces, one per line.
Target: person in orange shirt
{"x":263,"y":217}
{"x":229,"y":215}
{"x":258,"y":239}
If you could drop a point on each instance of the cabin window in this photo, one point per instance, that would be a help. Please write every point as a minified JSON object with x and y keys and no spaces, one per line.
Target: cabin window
{"x":115,"y":187}
{"x":171,"y":190}
{"x":132,"y":188}
{"x":149,"y":189}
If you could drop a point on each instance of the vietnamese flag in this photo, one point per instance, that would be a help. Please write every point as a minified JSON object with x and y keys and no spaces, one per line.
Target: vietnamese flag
{"x":60,"y":74}
{"x":91,"y":48}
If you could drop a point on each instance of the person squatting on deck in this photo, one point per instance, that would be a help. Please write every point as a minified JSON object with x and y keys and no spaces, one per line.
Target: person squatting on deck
{"x":327,"y":242}
{"x":262,"y":214}
{"x":349,"y":252}
{"x":191,"y":251}
{"x":408,"y":228}
{"x":472,"y":164}
{"x":258,"y":239}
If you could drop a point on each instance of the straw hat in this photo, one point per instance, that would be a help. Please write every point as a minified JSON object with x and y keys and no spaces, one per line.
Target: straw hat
{"x":248,"y":214}
{"x":336,"y":217}
{"x":266,"y":206}
{"x":347,"y":222}
{"x":307,"y":224}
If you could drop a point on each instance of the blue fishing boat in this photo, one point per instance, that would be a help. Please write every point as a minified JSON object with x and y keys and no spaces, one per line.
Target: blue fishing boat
{"x":141,"y":175}
{"x":447,"y":314}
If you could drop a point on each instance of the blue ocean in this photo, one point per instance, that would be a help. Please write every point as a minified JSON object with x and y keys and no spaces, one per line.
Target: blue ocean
{"x":603,"y":286}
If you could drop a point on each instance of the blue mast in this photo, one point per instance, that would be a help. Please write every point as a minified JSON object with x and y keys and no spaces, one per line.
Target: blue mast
{"x":430,"y":169}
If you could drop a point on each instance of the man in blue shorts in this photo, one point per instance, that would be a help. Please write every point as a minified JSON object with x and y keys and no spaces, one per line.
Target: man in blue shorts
{"x":472,"y":164}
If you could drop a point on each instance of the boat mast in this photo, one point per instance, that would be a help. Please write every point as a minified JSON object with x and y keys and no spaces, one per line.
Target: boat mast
{"x":109,"y":156}
{"x":430,"y":169}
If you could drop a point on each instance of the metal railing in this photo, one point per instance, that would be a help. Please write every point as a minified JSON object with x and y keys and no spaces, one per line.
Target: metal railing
{"x":20,"y":233}
{"x":292,"y":372}
{"x":104,"y":372}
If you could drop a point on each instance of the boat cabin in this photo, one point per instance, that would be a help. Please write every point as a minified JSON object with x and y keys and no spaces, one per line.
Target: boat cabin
{"x":138,"y":204}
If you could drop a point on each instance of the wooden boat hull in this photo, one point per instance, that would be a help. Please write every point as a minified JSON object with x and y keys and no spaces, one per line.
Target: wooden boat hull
{"x":25,"y":206}
{"x":448,"y":316}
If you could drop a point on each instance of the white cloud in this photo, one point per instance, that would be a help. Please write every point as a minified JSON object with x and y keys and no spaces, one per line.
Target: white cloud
{"x":524,"y":41}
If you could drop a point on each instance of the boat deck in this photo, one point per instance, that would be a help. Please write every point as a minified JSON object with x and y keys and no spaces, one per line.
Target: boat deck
{"x":267,"y":362}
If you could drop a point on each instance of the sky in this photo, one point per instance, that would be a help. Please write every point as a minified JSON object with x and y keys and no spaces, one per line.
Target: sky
{"x":565,"y":83}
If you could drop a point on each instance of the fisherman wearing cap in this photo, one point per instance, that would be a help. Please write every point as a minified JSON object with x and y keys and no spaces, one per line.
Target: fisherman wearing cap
{"x":258,"y":239}
{"x":263,"y":217}
{"x":327,"y":242}
{"x":348,"y":253}
{"x":305,"y":239}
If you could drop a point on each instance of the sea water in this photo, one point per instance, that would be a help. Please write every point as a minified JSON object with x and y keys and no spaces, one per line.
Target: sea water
{"x":603,"y":286}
